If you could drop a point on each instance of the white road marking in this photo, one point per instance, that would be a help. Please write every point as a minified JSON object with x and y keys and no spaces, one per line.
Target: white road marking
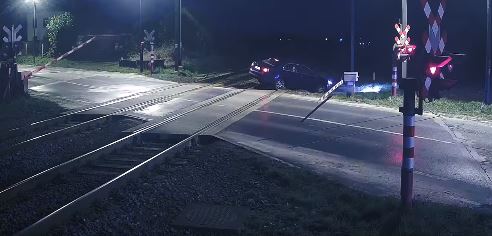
{"x":353,"y":126}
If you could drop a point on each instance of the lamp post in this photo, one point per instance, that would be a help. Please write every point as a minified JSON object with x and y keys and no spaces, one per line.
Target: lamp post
{"x":34,"y":26}
{"x":140,"y":19}
{"x":352,"y":36}
{"x":178,"y":40}
{"x":488,"y":96}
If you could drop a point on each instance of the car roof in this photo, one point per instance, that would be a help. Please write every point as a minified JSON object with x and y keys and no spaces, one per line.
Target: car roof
{"x":272,"y":61}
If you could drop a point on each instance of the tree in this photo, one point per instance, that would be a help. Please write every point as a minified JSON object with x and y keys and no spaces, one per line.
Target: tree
{"x":61,"y":35}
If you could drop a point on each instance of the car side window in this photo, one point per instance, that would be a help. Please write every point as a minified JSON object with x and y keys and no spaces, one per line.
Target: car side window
{"x":304,"y":70}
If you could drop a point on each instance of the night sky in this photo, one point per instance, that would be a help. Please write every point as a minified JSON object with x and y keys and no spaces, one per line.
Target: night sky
{"x":253,"y":20}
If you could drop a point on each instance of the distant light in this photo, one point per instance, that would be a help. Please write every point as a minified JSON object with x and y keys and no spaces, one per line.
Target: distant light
{"x":371,"y":89}
{"x":280,"y":39}
{"x":433,"y":70}
{"x":266,"y":70}
{"x":326,"y":39}
{"x":341,"y":40}
{"x":330,"y":82}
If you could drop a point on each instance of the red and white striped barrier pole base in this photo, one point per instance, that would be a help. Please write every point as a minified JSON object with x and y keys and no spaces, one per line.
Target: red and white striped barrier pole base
{"x":410,"y":87}
{"x":29,"y":75}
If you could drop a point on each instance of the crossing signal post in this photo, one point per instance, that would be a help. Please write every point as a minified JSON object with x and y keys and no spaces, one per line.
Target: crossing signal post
{"x":11,"y":82}
{"x":435,"y":81}
{"x":439,"y":63}
{"x":402,"y":52}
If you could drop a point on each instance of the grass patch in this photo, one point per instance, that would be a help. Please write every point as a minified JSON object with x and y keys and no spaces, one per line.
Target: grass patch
{"x":186,"y":75}
{"x":83,"y":65}
{"x":308,"y":204}
{"x":444,"y":106}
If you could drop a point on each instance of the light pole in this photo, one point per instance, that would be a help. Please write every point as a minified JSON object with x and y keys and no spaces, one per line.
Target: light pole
{"x":140,"y":19}
{"x":178,"y":33}
{"x":488,"y":96}
{"x":35,"y":26}
{"x":352,"y":37}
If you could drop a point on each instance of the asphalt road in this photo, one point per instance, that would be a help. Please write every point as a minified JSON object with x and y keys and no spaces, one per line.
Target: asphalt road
{"x":361,"y":146}
{"x":358,"y":145}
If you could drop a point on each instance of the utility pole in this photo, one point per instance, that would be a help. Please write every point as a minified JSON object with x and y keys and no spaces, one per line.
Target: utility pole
{"x":488,"y":96}
{"x":140,"y":19}
{"x":404,"y":4}
{"x":178,"y":40}
{"x":352,"y":37}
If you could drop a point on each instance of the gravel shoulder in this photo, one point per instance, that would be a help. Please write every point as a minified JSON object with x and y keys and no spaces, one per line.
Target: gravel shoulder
{"x":283,"y":200}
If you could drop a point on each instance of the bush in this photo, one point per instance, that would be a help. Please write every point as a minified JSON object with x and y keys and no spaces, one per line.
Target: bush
{"x":60,"y":33}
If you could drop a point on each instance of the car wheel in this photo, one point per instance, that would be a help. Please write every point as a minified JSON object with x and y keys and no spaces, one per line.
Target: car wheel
{"x":279,"y":84}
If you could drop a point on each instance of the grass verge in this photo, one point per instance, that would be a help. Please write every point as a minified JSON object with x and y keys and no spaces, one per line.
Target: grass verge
{"x":309,"y":204}
{"x":444,"y":106}
{"x":184,"y":76}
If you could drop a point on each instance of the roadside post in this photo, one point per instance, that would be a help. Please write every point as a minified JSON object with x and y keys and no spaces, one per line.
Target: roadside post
{"x":410,"y":87}
{"x":149,"y":38}
{"x":402,"y":53}
{"x":350,"y":78}
{"x":152,"y":59}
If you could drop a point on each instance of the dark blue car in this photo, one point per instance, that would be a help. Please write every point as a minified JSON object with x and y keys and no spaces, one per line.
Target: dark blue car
{"x":271,"y":73}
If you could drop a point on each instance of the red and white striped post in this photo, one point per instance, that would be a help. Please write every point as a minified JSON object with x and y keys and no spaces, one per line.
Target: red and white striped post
{"x":410,"y":87}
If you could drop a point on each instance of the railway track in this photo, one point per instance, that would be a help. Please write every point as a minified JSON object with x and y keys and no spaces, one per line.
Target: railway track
{"x":9,"y":133}
{"x":65,"y":124}
{"x":106,"y":168}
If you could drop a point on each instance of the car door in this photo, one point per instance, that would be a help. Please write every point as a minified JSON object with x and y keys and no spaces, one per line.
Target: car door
{"x":309,"y":80}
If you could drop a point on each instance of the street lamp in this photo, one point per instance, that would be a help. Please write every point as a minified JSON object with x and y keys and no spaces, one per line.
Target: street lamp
{"x":35,"y":26}
{"x":140,"y":19}
{"x":178,"y":35}
{"x":488,"y":65}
